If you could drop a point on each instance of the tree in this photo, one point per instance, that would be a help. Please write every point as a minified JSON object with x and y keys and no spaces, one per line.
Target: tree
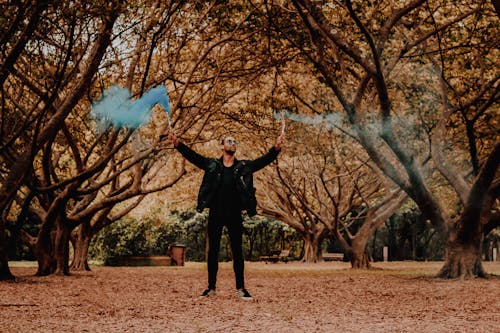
{"x":387,"y":41}
{"x":45,"y":114}
{"x":288,"y":207}
{"x":331,"y":189}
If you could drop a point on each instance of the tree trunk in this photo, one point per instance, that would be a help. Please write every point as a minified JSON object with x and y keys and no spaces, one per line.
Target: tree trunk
{"x":5,"y":273}
{"x":375,"y":217}
{"x":357,"y":253}
{"x":312,"y":248}
{"x":463,"y":248}
{"x":52,"y":249}
{"x":81,"y":248}
{"x":61,"y":253}
{"x":43,"y":250}
{"x":463,"y":258}
{"x":359,"y":260}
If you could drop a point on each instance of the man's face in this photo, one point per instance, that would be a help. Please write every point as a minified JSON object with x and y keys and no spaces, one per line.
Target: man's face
{"x":229,"y":146}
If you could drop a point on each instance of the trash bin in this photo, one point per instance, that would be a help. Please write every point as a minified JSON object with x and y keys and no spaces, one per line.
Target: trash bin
{"x":177,"y":253}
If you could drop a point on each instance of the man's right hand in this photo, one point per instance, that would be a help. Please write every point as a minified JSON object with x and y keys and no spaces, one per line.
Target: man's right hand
{"x":280,"y":142}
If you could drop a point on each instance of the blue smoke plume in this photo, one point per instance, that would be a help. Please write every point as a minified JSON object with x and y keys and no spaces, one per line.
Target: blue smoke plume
{"x":117,"y":108}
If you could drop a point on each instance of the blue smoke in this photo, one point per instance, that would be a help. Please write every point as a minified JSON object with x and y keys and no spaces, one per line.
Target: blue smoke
{"x":117,"y":108}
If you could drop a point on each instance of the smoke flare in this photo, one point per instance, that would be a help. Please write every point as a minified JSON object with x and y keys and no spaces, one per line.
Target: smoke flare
{"x":117,"y":108}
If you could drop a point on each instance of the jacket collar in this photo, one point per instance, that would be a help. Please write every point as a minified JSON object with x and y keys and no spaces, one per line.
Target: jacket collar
{"x":236,"y":161}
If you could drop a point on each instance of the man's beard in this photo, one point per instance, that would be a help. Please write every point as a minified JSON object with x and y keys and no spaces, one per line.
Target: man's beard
{"x":230,"y":152}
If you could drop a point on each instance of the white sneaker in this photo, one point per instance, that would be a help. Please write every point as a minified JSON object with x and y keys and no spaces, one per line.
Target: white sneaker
{"x":243,"y":294}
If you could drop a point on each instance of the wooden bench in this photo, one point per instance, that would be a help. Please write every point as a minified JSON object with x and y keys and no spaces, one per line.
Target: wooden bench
{"x":276,"y":256}
{"x":332,"y":256}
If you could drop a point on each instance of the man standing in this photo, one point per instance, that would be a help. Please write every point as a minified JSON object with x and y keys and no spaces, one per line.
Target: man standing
{"x":227,"y":190}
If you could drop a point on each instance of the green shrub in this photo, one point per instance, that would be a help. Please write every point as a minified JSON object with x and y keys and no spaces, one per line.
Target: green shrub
{"x":153,"y":236}
{"x":130,"y":237}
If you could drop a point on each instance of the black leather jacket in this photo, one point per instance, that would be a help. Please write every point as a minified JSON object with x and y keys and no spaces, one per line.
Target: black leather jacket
{"x":243,"y":173}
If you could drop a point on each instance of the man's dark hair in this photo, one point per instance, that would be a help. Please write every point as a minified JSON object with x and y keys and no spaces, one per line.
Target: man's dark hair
{"x":224,"y":137}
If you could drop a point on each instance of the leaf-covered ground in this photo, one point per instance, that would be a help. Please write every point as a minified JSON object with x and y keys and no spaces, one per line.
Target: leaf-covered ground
{"x":293,"y":297}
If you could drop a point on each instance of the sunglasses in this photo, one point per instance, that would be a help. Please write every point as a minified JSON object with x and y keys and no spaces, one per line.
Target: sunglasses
{"x":231,"y":142}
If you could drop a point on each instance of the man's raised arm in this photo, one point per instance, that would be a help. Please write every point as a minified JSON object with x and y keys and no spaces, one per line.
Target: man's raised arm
{"x":199,"y":160}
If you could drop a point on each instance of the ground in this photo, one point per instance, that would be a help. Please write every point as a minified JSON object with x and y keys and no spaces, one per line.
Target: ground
{"x":292,"y":297}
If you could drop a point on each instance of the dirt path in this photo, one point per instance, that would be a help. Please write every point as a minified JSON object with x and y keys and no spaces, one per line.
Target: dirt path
{"x":293,"y":297}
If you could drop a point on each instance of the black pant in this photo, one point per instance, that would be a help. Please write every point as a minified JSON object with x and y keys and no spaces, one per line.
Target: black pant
{"x":235,"y":229}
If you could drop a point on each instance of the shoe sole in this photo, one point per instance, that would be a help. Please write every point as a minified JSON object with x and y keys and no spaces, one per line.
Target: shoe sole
{"x":244,"y":298}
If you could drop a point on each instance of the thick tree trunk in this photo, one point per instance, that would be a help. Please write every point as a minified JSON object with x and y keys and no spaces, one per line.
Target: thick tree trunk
{"x":359,"y":260}
{"x":357,"y":254}
{"x":61,"y":253}
{"x":463,"y":248}
{"x":52,"y":249}
{"x":312,"y":249}
{"x":81,"y":248}
{"x":463,"y":258}
{"x":43,"y":250}
{"x":5,"y":273}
